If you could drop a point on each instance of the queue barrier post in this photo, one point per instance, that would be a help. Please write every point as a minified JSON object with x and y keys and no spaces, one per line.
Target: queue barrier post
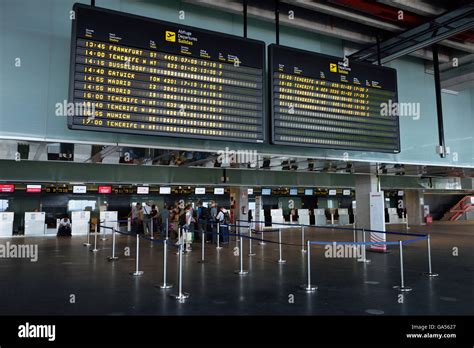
{"x":113,"y":257}
{"x":137,"y":262}
{"x":261,"y":238}
{"x":302,"y":239}
{"x":95,"y":240}
{"x":218,"y":247}
{"x":280,"y":260}
{"x":241,"y":254}
{"x":87,"y":243}
{"x":429,"y":273}
{"x":402,"y":286}
{"x":251,"y":253}
{"x":203,"y":237}
{"x":308,"y":287}
{"x":165,"y":285}
{"x":180,"y":296}
{"x":364,"y":249}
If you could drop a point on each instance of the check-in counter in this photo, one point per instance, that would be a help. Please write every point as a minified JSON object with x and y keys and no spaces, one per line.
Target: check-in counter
{"x":343,"y":216}
{"x":393,"y":216}
{"x":80,"y":222}
{"x":35,"y":223}
{"x":303,"y":216}
{"x":320,"y":217}
{"x":278,"y":221}
{"x":108,"y":219}
{"x":6,"y":224}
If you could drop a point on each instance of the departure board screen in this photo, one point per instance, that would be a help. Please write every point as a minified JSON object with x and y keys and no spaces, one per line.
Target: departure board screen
{"x":143,"y":76}
{"x":322,"y":101}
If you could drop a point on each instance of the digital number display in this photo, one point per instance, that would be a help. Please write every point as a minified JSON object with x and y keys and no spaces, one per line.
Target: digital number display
{"x":143,"y":76}
{"x":323,"y":101}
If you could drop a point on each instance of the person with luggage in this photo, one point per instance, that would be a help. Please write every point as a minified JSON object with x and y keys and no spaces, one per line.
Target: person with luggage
{"x":223,"y":218}
{"x":146,"y":218}
{"x":213,"y":221}
{"x":202,"y":220}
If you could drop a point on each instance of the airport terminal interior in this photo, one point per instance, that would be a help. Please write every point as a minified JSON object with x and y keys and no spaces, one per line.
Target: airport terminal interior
{"x":236,"y":157}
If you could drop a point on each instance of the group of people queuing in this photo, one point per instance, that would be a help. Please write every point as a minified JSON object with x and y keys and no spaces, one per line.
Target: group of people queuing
{"x":181,"y":220}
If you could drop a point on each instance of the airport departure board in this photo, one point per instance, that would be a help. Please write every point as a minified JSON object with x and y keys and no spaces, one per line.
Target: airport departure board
{"x":145,"y":76}
{"x":321,"y":101}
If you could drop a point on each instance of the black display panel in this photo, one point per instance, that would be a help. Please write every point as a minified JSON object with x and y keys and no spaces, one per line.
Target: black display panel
{"x":145,"y":76}
{"x":317,"y":101}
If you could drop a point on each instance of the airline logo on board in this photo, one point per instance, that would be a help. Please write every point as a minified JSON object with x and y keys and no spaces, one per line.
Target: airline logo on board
{"x":170,"y":36}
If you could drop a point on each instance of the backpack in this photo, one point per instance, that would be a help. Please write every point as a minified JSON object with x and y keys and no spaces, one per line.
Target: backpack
{"x":204,"y":213}
{"x":182,"y":219}
{"x":226,"y":218}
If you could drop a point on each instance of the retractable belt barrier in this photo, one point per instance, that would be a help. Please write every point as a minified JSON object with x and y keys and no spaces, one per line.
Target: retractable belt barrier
{"x":308,"y":286}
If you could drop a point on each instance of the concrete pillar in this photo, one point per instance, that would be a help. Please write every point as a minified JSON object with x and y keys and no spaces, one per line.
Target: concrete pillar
{"x":414,"y":202}
{"x":364,"y":185}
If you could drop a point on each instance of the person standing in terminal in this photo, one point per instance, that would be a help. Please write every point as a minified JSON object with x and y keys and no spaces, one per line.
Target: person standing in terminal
{"x":136,"y":215}
{"x":186,"y":221}
{"x":175,"y":219}
{"x":213,"y":221}
{"x":223,"y":218}
{"x":203,"y":219}
{"x":154,"y":217}
{"x":146,"y":213}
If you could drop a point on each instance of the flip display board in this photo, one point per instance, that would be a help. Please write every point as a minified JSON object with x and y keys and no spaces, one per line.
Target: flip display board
{"x":323,"y":101}
{"x":145,"y":76}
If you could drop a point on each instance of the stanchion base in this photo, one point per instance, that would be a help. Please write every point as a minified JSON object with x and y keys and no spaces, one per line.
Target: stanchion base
{"x":218,"y":248}
{"x":104,"y":239}
{"x":181,"y":296}
{"x":304,"y":251}
{"x":430,"y":274}
{"x":87,"y":244}
{"x":95,"y":250}
{"x":281,"y":261}
{"x":252,"y":254}
{"x":165,"y":286}
{"x":365,"y":261}
{"x":110,"y":258}
{"x":403,"y":289}
{"x":137,"y":273}
{"x":308,"y":288}
{"x":262,"y":243}
{"x":202,"y":261}
{"x":241,"y":272}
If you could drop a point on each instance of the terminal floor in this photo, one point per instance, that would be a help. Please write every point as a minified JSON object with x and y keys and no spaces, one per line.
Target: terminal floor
{"x":65,"y":267}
